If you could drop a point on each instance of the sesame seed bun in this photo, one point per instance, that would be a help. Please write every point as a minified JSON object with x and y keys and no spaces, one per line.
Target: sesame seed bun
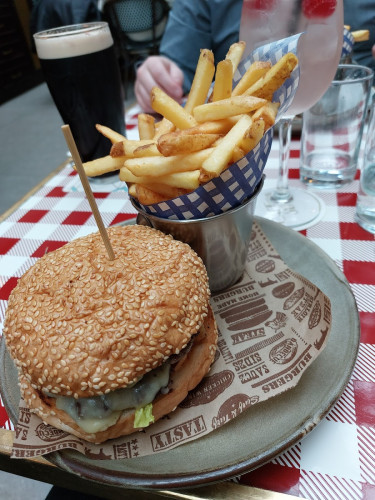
{"x":80,"y":325}
{"x":185,"y":377}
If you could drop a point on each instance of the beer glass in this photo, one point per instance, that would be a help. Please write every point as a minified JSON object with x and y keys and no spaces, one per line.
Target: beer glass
{"x":83,"y":76}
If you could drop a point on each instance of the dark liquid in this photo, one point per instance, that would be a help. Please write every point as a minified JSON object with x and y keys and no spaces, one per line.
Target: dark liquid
{"x":87,"y":90}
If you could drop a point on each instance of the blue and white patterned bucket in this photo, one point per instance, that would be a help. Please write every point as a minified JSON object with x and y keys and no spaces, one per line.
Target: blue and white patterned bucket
{"x":347,"y":44}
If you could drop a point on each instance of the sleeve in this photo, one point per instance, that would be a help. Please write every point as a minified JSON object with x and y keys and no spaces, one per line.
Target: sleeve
{"x":85,"y":11}
{"x":187,"y":31}
{"x":361,"y":15}
{"x":49,"y":14}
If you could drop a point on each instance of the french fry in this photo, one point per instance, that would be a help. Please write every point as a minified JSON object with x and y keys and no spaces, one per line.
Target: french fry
{"x":274,"y":78}
{"x":237,"y":154}
{"x":103,"y":165}
{"x":221,"y":154}
{"x":163,"y":127}
{"x":227,"y":107}
{"x":127,"y":147}
{"x":223,"y":81}
{"x":146,"y":150}
{"x":183,"y":180}
{"x":235,"y":54}
{"x":212,"y":127}
{"x":167,"y":191}
{"x":146,"y":196}
{"x":146,"y":126}
{"x":361,"y":35}
{"x":150,"y":194}
{"x":132,"y":189}
{"x":160,"y":165}
{"x":202,"y":80}
{"x":149,"y":182}
{"x":112,"y":135}
{"x":267,"y":113}
{"x":252,"y":136}
{"x":127,"y":176}
{"x":170,"y":109}
{"x":176,"y":143}
{"x":255,"y":71}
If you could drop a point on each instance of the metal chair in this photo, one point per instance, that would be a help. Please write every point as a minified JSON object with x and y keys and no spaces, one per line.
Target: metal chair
{"x":137,"y":27}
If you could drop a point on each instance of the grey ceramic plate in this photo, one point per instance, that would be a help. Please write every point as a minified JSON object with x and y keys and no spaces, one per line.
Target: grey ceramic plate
{"x":264,"y":431}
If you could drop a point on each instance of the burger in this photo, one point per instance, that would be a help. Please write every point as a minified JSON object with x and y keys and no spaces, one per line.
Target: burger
{"x":104,"y":348}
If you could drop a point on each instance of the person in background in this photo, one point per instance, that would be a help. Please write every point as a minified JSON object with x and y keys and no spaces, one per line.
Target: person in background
{"x":196,"y":24}
{"x":192,"y":25}
{"x":360,"y":15}
{"x":47,"y":14}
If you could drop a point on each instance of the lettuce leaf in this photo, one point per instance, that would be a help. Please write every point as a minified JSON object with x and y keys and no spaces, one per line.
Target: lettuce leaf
{"x":143,"y":416}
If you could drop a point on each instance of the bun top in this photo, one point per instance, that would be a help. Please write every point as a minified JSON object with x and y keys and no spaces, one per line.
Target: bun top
{"x":80,"y":325}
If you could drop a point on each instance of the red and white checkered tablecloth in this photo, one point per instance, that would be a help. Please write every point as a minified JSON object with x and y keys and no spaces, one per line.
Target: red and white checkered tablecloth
{"x":337,"y":459}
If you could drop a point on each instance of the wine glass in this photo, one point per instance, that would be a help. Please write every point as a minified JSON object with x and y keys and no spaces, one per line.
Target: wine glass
{"x":319,"y":51}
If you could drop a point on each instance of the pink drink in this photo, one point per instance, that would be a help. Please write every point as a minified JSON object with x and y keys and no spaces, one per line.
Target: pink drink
{"x":319,"y":49}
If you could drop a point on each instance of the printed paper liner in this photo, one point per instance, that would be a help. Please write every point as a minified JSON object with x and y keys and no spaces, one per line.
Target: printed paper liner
{"x":272,"y":325}
{"x":238,"y":182}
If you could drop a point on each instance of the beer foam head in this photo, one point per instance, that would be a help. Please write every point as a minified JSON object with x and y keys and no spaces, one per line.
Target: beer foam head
{"x":69,"y":41}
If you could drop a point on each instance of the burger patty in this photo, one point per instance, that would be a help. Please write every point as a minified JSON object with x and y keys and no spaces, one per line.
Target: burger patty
{"x":102,"y":411}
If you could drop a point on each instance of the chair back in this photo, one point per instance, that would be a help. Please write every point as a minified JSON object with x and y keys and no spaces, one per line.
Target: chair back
{"x":137,"y":24}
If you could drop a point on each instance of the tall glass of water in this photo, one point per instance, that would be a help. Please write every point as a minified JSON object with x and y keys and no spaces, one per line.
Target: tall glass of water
{"x":83,"y":76}
{"x":365,"y":209}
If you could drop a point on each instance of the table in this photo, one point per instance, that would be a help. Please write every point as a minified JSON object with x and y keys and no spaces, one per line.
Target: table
{"x":336,"y":460}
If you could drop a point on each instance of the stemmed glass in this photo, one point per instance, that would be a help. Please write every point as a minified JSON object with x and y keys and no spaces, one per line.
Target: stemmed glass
{"x":319,"y":50}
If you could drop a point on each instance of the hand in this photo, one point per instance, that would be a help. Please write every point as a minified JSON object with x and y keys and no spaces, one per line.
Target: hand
{"x":373,"y":51}
{"x":161,"y":72}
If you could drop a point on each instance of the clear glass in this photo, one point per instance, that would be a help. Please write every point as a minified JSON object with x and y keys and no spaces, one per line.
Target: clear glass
{"x":365,"y":208}
{"x":319,"y":52}
{"x":83,"y":76}
{"x":332,"y":129}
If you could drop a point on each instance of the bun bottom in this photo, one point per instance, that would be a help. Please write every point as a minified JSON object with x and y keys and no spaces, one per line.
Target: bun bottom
{"x":185,"y":376}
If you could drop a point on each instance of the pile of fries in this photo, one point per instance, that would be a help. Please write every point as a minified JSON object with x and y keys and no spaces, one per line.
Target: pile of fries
{"x":194,"y":143}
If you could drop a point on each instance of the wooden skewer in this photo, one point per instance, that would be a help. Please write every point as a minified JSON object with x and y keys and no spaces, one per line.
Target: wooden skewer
{"x":86,"y":186}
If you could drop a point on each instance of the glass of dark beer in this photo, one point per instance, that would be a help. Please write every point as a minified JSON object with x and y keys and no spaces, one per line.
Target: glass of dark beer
{"x":83,"y":76}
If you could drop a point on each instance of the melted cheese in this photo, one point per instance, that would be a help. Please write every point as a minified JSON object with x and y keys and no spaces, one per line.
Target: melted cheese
{"x":97,"y":413}
{"x":93,"y":425}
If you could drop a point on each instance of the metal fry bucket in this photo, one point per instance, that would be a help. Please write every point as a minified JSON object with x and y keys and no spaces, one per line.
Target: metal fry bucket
{"x":222,"y":241}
